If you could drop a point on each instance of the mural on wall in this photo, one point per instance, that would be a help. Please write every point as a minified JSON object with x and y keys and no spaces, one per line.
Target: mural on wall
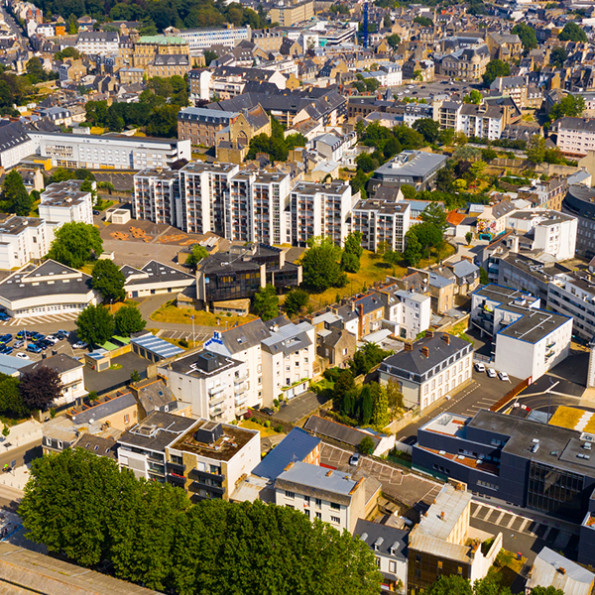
{"x":486,"y":227}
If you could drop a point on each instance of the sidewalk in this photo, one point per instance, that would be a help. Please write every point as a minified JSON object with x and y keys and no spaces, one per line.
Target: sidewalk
{"x":17,"y":478}
{"x":21,"y":434}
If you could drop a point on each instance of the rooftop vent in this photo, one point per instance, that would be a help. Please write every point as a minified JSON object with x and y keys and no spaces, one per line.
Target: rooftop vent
{"x":209,"y":433}
{"x":425,"y":351}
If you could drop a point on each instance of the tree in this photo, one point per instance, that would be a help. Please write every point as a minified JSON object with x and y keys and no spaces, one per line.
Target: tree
{"x":572,"y":32}
{"x":349,"y":262}
{"x":448,"y":585}
{"x":494,"y":69}
{"x":197,"y":253}
{"x":266,"y":302}
{"x":35,"y":70}
{"x":134,"y":376}
{"x":488,"y":154}
{"x":536,"y":149}
{"x":428,"y":128}
{"x":321,"y":266}
{"x":558,"y":56}
{"x":366,"y":446}
{"x":75,"y":244}
{"x":11,"y":401}
{"x":352,"y":252}
{"x":393,"y":40}
{"x":412,"y":252}
{"x":550,"y":590}
{"x":366,"y":358}
{"x":527,"y":36}
{"x":40,"y":387}
{"x":474,"y":97}
{"x":95,"y":325}
{"x":129,"y":320}
{"x":394,"y":397}
{"x":15,"y":195}
{"x":423,"y":21}
{"x":468,"y":237}
{"x":435,"y":215}
{"x":571,"y":105}
{"x":109,"y":281}
{"x":295,"y":300}
{"x":380,"y":409}
{"x":366,"y":405}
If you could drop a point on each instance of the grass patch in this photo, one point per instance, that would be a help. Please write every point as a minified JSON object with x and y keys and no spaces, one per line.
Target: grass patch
{"x":102,"y":205}
{"x":252,"y":425}
{"x":87,"y":268}
{"x":115,"y":367}
{"x":169,"y":312}
{"x":506,"y":568}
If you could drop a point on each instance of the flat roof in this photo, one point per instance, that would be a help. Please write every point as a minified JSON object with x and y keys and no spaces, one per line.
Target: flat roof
{"x":322,"y":478}
{"x":156,"y":345}
{"x":203,"y":364}
{"x":158,"y":430}
{"x":444,"y":513}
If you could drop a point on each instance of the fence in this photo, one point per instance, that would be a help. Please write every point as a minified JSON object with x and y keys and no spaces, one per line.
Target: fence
{"x":511,"y":395}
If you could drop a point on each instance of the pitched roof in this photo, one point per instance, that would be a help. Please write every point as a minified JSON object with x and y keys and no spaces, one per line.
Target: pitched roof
{"x":342,"y":433}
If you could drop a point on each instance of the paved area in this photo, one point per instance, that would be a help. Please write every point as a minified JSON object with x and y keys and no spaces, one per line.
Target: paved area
{"x":103,"y":381}
{"x":24,"y":323}
{"x":299,"y":407}
{"x":523,"y":531}
{"x":407,"y":488}
{"x":17,"y":478}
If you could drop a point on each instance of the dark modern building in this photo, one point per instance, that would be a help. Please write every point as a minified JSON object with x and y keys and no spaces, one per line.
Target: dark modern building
{"x":521,"y":461}
{"x":580,"y":202}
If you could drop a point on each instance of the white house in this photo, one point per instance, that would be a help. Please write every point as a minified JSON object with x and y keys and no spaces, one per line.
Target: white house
{"x":23,"y":239}
{"x":65,"y":202}
{"x":98,"y":43}
{"x":155,"y":278}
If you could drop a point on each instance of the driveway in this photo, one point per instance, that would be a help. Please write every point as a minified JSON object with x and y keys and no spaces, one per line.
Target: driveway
{"x":299,"y":407}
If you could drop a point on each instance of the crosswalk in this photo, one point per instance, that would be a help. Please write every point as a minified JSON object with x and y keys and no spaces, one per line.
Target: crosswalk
{"x":39,"y":320}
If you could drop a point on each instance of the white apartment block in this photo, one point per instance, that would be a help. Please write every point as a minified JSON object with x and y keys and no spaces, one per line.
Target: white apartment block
{"x":429,"y":369}
{"x":576,"y":136}
{"x":98,"y":43}
{"x":382,"y":222}
{"x":322,"y":493}
{"x":288,"y":361}
{"x":552,"y":232}
{"x":154,"y":197}
{"x":412,"y":313}
{"x":204,"y":39}
{"x":23,"y":239}
{"x":482,"y":121}
{"x":108,"y":152}
{"x":270,"y":202}
{"x":15,"y":144}
{"x":528,"y":341}
{"x":319,"y":210}
{"x":65,"y":202}
{"x":212,"y":383}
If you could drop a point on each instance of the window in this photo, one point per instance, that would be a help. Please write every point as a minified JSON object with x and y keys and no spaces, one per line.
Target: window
{"x":306,"y":499}
{"x":335,"y":506}
{"x":318,"y":515}
{"x":318,"y":502}
{"x":289,"y":494}
{"x":335,"y":519}
{"x":126,"y":418}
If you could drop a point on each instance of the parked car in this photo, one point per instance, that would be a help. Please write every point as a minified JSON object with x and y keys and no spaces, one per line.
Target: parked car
{"x":491,"y":373}
{"x":52,"y":339}
{"x":18,"y":343}
{"x":22,"y":355}
{"x":7,"y":337}
{"x":33,"y":348}
{"x":61,"y":334}
{"x":480,"y":367}
{"x":37,"y":336}
{"x":80,"y":345}
{"x":354,"y":459}
{"x":503,"y":376}
{"x":4,"y":315}
{"x":96,"y":213}
{"x":44,"y":344}
{"x":6,"y":350}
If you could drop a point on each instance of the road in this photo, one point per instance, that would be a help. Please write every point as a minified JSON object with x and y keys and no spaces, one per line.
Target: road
{"x":15,"y":28}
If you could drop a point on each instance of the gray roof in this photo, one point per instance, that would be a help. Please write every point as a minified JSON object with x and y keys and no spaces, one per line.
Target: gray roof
{"x":155,"y":272}
{"x":242,"y":337}
{"x":9,"y":364}
{"x":156,"y":345}
{"x":463,"y":268}
{"x":105,"y":409}
{"x":346,"y":434}
{"x":383,"y":539}
{"x":12,"y":134}
{"x":153,"y":394}
{"x":288,"y":339}
{"x":60,"y":362}
{"x":414,"y":164}
{"x":102,"y":447}
{"x":203,"y":364}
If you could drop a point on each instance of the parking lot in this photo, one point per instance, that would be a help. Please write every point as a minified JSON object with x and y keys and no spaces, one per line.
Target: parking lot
{"x":407,"y":488}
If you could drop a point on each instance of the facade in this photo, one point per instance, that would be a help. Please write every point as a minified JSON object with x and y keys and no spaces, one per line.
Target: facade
{"x":288,"y":14}
{"x":108,"y":152}
{"x":155,"y":194}
{"x":288,"y":359}
{"x":200,"y":125}
{"x":23,"y":239}
{"x":212,"y":383}
{"x":98,"y":43}
{"x":153,"y":279}
{"x":322,"y":493}
{"x":65,"y":202}
{"x":51,"y":288}
{"x":576,"y":136}
{"x":70,"y":372}
{"x":381,"y":223}
{"x":411,"y":312}
{"x":429,"y":369}
{"x":481,"y":121}
{"x":15,"y":144}
{"x":204,"y":39}
{"x":528,"y":341}
{"x":580,"y":203}
{"x":319,"y":210}
{"x":521,"y":461}
{"x":469,"y":63}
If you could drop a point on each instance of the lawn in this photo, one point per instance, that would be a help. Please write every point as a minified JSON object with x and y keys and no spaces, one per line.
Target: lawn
{"x":169,"y":312}
{"x":372,"y":269}
{"x":506,"y":568}
{"x":251,"y":425}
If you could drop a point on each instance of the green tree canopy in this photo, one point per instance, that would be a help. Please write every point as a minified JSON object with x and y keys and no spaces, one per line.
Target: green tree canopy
{"x":75,"y":244}
{"x":571,"y":105}
{"x":197,"y":253}
{"x":95,"y":325}
{"x":40,"y":387}
{"x":129,"y":320}
{"x":393,"y":40}
{"x":15,"y":196}
{"x":527,"y":36}
{"x":572,"y":32}
{"x":109,"y":281}
{"x":536,"y":149}
{"x":266,"y":302}
{"x":448,"y":585}
{"x":428,"y":128}
{"x":558,"y":56}
{"x":11,"y":400}
{"x":295,"y":300}
{"x":321,"y":266}
{"x":85,"y":508}
{"x":494,"y":69}
{"x":366,"y":358}
{"x":423,"y":21}
{"x":366,"y":446}
{"x":413,"y":249}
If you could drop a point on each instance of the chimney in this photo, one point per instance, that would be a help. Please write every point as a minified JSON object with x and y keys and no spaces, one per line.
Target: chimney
{"x":562,"y":570}
{"x":408,"y":346}
{"x":446,"y":338}
{"x":430,"y":333}
{"x":442,"y":516}
{"x":425,"y":351}
{"x":329,"y":472}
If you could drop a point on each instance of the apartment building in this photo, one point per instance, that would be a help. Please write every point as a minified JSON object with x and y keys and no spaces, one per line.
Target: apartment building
{"x":288,"y":359}
{"x":15,"y":144}
{"x":108,"y":152}
{"x":319,"y":210}
{"x":580,"y":202}
{"x":212,"y":383}
{"x":291,"y":13}
{"x":469,"y":63}
{"x":23,"y":239}
{"x":408,"y":313}
{"x":200,"y":125}
{"x":381,"y":223}
{"x":203,"y":39}
{"x":98,"y":43}
{"x":575,"y":136}
{"x":65,"y":202}
{"x":321,"y":493}
{"x":527,"y":341}
{"x":429,"y":369}
{"x":205,"y":458}
{"x":270,"y":200}
{"x":481,"y":121}
{"x":155,"y":194}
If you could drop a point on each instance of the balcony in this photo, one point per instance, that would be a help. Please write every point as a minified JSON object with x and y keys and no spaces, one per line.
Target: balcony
{"x":201,"y":476}
{"x":214,"y":492}
{"x":177,"y":468}
{"x":215,"y":390}
{"x":177,"y":480}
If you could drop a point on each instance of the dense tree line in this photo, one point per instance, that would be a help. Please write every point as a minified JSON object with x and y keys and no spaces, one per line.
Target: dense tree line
{"x":95,"y":324}
{"x":158,"y":15}
{"x":490,"y":585}
{"x":277,"y":145}
{"x":85,"y":508}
